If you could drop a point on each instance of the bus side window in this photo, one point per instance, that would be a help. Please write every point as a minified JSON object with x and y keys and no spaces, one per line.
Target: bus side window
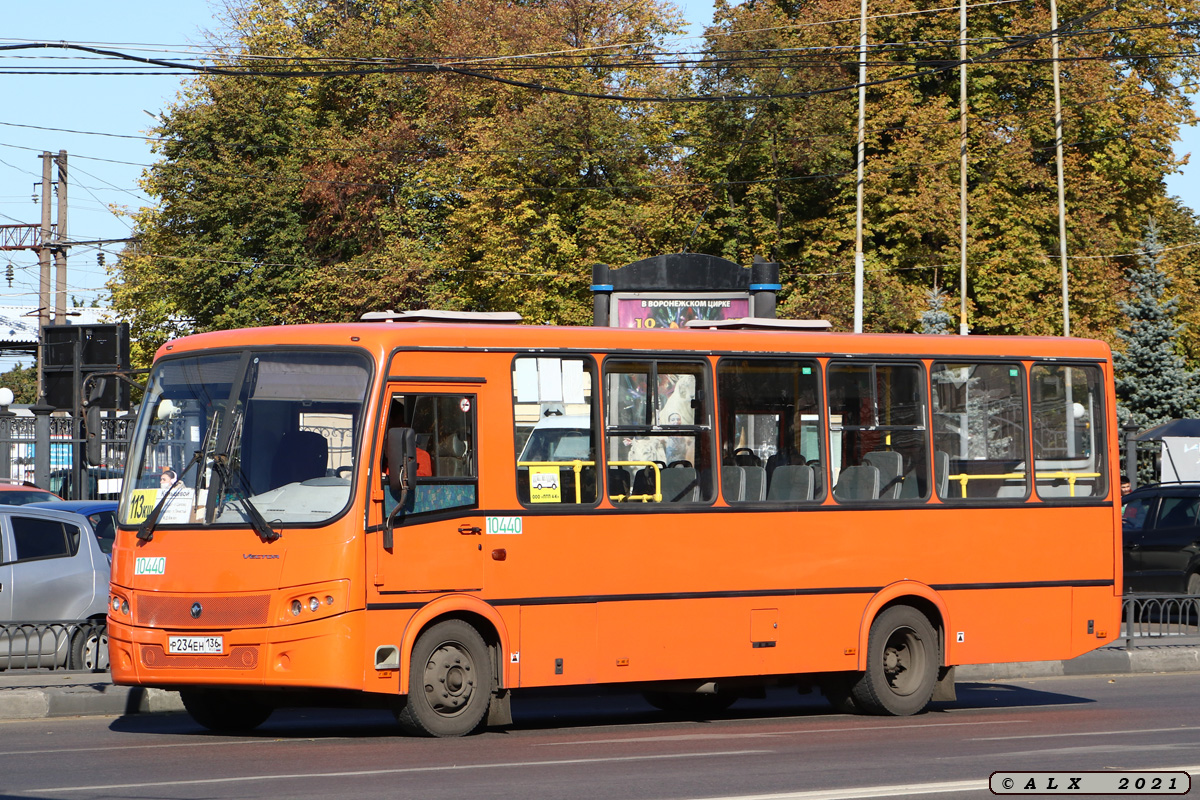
{"x":1067,"y":402}
{"x":979,"y":425}
{"x":658,"y":424}
{"x":771,"y":428}
{"x":878,"y":440}
{"x":444,"y":425}
{"x":555,"y":431}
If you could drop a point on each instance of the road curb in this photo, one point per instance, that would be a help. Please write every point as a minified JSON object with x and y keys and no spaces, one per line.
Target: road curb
{"x":81,"y":700}
{"x":1105,"y":661}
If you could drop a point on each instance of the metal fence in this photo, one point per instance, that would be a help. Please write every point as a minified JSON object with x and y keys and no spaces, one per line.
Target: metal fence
{"x":1154,"y":620}
{"x":19,"y":444}
{"x":78,"y":646}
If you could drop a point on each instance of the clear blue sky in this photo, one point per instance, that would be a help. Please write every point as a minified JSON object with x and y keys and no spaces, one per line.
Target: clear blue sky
{"x":117,"y":105}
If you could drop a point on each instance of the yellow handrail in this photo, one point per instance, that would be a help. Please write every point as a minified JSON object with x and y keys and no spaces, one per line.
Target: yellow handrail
{"x":656,"y":497}
{"x":964,"y":478}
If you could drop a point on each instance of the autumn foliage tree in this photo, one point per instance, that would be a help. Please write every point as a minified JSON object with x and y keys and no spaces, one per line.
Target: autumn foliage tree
{"x":478,"y":154}
{"x":786,"y":165}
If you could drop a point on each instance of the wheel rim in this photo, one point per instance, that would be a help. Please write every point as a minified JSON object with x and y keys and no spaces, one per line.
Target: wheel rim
{"x":95,"y":652}
{"x":449,"y":679}
{"x":904,"y":661}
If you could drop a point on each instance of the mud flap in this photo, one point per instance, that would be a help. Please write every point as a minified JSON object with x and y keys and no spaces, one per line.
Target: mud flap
{"x":500,"y":709}
{"x":943,"y":690}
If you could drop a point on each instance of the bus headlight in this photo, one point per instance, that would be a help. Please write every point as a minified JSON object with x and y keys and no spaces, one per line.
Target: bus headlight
{"x":313,"y":602}
{"x":118,"y":604}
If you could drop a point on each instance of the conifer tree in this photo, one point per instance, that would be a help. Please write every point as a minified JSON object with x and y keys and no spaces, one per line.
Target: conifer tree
{"x":936,"y":319}
{"x":1152,"y":382}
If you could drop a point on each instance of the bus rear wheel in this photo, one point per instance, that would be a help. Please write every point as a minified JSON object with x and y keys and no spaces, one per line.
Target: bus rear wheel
{"x":449,"y":683}
{"x":224,"y":710}
{"x":902,"y":664}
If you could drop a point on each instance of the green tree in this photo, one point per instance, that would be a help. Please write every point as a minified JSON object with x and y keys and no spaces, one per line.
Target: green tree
{"x":225,"y":244}
{"x":936,"y":319}
{"x":23,"y":382}
{"x":1153,"y":383}
{"x":786,"y":165}
{"x":315,"y":197}
{"x":474,"y":194}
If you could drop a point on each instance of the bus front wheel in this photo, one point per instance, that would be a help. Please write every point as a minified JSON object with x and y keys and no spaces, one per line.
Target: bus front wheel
{"x":449,"y":683}
{"x":902,"y":664}
{"x":225,"y":711}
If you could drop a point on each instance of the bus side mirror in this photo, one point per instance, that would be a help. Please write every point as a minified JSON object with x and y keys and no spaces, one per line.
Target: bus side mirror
{"x":93,"y":451}
{"x":402,"y":458}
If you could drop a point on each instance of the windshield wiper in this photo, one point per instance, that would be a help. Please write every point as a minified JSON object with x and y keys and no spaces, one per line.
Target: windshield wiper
{"x":146,"y":529}
{"x":227,"y":480}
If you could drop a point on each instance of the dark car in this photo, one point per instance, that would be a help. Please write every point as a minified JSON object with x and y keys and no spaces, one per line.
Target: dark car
{"x":101,"y":513}
{"x":1162,"y":539}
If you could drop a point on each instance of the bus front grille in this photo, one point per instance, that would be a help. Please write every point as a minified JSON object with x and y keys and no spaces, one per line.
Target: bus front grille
{"x":204,"y":612}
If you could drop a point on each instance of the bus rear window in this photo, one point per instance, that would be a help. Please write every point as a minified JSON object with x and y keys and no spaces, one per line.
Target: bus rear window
{"x":1068,"y":431}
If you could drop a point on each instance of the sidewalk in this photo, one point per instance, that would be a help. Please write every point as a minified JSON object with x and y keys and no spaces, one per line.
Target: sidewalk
{"x":38,"y":694}
{"x":35,"y":695}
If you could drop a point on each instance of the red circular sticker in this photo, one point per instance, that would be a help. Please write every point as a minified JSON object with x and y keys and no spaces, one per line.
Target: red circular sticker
{"x":465,"y":404}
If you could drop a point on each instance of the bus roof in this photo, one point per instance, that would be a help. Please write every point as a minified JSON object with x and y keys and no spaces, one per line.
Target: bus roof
{"x":382,"y":337}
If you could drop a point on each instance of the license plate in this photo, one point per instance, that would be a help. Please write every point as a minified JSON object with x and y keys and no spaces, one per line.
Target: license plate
{"x":196,"y":644}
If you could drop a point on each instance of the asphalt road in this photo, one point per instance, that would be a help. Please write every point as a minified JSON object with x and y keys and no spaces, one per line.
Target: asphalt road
{"x":589,"y":746}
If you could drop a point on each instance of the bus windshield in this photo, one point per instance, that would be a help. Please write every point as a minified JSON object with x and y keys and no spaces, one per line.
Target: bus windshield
{"x":220,"y":432}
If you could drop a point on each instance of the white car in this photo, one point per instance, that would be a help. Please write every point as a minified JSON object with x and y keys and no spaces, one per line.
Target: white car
{"x":558,"y":438}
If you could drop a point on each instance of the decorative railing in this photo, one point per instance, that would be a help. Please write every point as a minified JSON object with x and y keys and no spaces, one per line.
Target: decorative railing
{"x":1169,"y":619}
{"x":79,"y":646}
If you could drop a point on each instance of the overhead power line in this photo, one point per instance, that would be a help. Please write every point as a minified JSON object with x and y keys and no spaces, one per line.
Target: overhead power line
{"x":410,"y":66}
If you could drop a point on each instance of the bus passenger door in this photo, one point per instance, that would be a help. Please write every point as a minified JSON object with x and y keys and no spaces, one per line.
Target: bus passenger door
{"x":437,"y":536}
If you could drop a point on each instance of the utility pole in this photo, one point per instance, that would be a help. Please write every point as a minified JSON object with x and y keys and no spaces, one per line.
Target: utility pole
{"x":44,"y":269}
{"x":60,"y":241}
{"x":962,"y":166}
{"x":862,"y":139}
{"x":1058,"y":159}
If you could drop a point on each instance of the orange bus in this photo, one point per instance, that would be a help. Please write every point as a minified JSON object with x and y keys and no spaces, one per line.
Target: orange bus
{"x":429,"y":516}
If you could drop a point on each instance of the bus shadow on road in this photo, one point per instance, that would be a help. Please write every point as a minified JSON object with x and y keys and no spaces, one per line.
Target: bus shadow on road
{"x":1007,"y":695}
{"x":555,"y":709}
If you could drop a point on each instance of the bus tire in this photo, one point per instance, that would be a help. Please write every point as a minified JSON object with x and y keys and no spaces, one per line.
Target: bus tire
{"x":224,"y":710}
{"x":449,"y":682}
{"x":902,"y":664}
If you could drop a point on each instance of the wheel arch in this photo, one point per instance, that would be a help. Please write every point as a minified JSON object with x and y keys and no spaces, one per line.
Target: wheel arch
{"x":480,"y":615}
{"x":911,"y":593}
